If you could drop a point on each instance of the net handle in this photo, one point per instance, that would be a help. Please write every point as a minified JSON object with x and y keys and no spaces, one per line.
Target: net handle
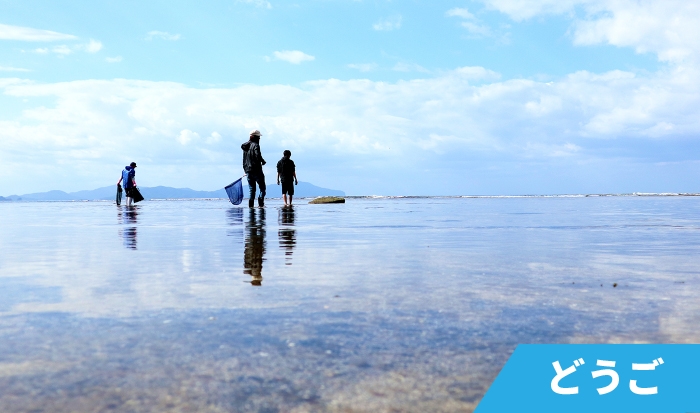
{"x":231,"y":184}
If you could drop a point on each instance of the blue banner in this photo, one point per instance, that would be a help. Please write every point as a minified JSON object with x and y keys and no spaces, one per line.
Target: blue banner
{"x":597,"y":378}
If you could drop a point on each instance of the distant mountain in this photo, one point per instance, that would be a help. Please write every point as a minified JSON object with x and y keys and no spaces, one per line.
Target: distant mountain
{"x":304,"y":189}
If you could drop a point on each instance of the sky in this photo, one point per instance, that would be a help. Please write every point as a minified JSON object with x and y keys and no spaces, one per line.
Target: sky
{"x":412,"y":97}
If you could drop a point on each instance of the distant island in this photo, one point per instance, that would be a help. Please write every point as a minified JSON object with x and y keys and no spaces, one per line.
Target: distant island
{"x":107,"y":193}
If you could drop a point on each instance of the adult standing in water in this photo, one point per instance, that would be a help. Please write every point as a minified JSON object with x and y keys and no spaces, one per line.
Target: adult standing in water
{"x":129,"y":179}
{"x":252,"y":165}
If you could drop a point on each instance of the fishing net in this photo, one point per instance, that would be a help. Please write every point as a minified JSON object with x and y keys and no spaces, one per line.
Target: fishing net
{"x":235,"y":192}
{"x":119,"y":194}
{"x":136,"y":195}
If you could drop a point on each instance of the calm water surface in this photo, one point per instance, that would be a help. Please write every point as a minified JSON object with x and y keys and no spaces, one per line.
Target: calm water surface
{"x":376,"y":305}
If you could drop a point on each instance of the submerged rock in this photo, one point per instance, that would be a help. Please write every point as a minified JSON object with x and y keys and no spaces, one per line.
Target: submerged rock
{"x":328,"y":200}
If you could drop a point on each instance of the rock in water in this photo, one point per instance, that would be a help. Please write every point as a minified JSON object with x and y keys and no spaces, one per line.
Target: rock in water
{"x":328,"y":200}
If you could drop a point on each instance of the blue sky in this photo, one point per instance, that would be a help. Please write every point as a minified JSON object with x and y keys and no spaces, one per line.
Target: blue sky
{"x":372,"y":97}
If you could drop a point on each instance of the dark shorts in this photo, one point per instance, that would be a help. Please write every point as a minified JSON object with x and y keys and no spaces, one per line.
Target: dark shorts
{"x":129,"y":192}
{"x":288,"y":187}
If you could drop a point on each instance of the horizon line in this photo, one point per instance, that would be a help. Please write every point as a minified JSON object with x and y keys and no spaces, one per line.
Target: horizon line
{"x":591,"y":195}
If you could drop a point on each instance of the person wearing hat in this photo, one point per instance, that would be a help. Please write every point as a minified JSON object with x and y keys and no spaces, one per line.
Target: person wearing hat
{"x":252,"y":165}
{"x":128,"y":176}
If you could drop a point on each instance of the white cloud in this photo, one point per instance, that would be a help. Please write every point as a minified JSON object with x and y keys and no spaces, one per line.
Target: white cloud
{"x":388,"y":24}
{"x":460,"y":12}
{"x":258,"y":3}
{"x":93,"y":47}
{"x":473,"y":25}
{"x":363,"y":67}
{"x":214,"y":138}
{"x":463,"y":111}
{"x":115,"y":59}
{"x":668,"y":28}
{"x":12,"y":69}
{"x":5,"y":82}
{"x":536,"y":150}
{"x":8,"y":32}
{"x":544,"y":105}
{"x":477,"y":29}
{"x":293,"y":56}
{"x":521,"y":10}
{"x":476,"y":73}
{"x":186,"y":136}
{"x":28,"y":34}
{"x":62,"y":50}
{"x":161,"y":35}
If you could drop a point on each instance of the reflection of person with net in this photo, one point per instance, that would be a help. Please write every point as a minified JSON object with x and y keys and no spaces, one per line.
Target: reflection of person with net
{"x":287,"y":234}
{"x":129,"y":234}
{"x":254,"y":253}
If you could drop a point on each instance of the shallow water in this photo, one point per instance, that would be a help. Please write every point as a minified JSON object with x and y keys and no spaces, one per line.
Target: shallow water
{"x":375,"y":305}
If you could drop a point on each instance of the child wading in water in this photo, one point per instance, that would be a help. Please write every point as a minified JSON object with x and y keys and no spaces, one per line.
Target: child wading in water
{"x":286,"y":171}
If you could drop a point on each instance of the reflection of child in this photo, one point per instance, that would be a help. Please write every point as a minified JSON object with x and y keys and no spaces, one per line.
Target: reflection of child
{"x":286,"y":171}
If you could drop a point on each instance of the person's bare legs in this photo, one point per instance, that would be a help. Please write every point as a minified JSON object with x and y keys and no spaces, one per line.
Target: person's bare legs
{"x":290,"y":200}
{"x":284,"y":196}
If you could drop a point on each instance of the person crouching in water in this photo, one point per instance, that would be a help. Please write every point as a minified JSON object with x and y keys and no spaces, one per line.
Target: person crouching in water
{"x":129,"y":179}
{"x":252,"y":165}
{"x":286,"y":170}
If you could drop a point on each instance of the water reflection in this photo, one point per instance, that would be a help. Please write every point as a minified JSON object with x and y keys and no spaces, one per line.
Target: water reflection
{"x":70,"y":315}
{"x":234,"y":216}
{"x":287,"y":234}
{"x":129,"y":216}
{"x":254,"y":253}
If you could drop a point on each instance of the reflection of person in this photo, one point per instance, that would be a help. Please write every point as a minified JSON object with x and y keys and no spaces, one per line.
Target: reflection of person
{"x":129,"y":234}
{"x":129,"y":179}
{"x":252,"y":165}
{"x":286,"y":170}
{"x":287,"y":234}
{"x":254,"y":253}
